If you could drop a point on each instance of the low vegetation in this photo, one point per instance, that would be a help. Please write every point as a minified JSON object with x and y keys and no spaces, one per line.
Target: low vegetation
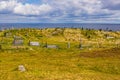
{"x":97,"y":59}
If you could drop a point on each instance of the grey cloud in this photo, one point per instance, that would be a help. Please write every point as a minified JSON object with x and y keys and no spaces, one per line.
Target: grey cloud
{"x":111,"y":4}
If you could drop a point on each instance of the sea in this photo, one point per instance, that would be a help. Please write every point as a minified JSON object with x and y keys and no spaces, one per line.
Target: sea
{"x":97,"y":26}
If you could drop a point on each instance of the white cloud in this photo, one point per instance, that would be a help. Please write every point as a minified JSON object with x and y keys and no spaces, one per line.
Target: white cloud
{"x":75,"y":7}
{"x":29,"y":9}
{"x":67,"y":10}
{"x":7,"y":5}
{"x":24,"y":9}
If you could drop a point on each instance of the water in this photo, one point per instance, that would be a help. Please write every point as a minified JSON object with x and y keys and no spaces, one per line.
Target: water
{"x":114,"y":27}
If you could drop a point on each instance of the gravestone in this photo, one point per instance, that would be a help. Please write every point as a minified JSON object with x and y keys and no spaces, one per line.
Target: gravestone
{"x":18,"y":41}
{"x":80,"y":44}
{"x":52,"y":46}
{"x":0,"y":47}
{"x":7,"y":34}
{"x":34,"y":43}
{"x":68,"y":45}
{"x":21,"y":68}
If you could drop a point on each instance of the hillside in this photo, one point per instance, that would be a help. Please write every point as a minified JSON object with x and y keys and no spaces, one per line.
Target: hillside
{"x":82,"y":54}
{"x":61,"y":36}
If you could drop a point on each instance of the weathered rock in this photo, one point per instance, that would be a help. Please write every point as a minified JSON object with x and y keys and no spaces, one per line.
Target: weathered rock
{"x":21,"y":68}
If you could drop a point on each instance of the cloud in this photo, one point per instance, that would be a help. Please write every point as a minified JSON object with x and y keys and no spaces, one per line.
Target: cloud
{"x":7,"y":5}
{"x":76,"y":6}
{"x":111,"y":4}
{"x":29,"y":9}
{"x":62,"y":10}
{"x":16,"y":7}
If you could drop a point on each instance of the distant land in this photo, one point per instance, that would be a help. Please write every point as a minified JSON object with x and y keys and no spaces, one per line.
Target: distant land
{"x":103,"y":26}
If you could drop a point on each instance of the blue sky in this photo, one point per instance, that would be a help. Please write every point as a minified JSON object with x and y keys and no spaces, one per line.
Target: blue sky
{"x":31,"y":1}
{"x":59,"y":11}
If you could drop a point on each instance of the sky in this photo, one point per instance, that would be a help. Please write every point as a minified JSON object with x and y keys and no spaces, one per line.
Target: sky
{"x":59,"y":11}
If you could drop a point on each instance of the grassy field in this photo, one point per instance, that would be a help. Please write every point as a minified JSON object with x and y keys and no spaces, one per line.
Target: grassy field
{"x":88,"y":63}
{"x":52,"y":64}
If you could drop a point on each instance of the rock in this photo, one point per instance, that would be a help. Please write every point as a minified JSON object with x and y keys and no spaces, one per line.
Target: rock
{"x":21,"y":68}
